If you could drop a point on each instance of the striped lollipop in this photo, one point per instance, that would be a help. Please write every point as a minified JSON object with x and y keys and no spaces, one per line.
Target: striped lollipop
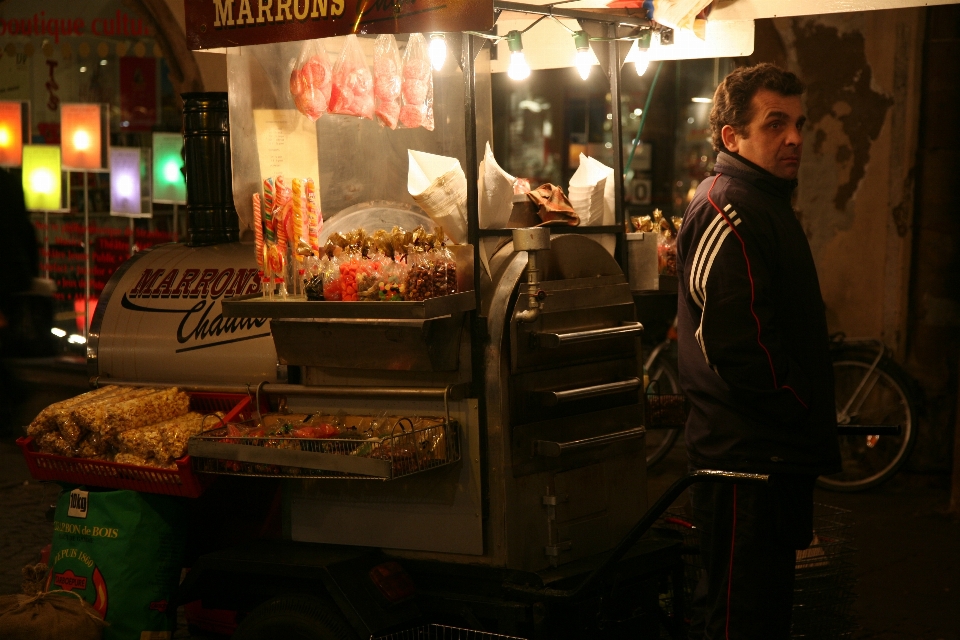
{"x":258,"y":230}
{"x":297,"y":187}
{"x":314,"y":221}
{"x":268,"y":198}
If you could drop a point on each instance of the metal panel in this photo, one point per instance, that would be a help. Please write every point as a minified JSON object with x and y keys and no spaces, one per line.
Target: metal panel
{"x":438,"y":511}
{"x":580,"y":493}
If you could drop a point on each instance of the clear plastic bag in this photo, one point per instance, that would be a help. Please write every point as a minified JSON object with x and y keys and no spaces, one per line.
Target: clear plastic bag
{"x":311,"y":80}
{"x":387,"y":65}
{"x":416,"y":91}
{"x":368,"y":277}
{"x":352,"y":90}
{"x":392,"y":282}
{"x":330,"y":269}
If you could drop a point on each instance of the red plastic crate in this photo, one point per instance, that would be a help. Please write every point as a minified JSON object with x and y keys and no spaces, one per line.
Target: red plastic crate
{"x":181,"y":481}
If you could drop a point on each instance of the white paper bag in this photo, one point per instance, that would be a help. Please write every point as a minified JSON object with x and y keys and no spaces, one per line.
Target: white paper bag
{"x":439,"y":186}
{"x":495,"y":203}
{"x":592,"y":193}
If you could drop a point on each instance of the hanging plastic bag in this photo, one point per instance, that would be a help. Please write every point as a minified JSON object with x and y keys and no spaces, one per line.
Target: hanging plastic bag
{"x":416,"y":92}
{"x":387,"y":65}
{"x":311,"y":79}
{"x":352,"y":91}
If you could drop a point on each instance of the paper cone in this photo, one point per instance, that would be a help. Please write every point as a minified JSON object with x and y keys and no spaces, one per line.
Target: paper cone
{"x":439,"y":186}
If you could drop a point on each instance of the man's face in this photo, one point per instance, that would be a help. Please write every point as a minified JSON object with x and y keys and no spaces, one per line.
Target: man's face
{"x":774,"y":137}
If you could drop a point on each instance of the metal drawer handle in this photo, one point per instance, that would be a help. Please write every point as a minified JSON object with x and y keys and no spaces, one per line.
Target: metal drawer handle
{"x":548,"y":449}
{"x":553,"y":398}
{"x":554,"y":340}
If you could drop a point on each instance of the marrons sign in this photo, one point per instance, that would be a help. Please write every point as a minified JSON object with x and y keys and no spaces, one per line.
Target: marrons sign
{"x":230,"y":23}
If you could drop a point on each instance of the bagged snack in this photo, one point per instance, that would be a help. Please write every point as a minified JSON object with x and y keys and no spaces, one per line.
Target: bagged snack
{"x":432,"y":273}
{"x":666,"y":245}
{"x":416,"y":90}
{"x":391,"y":285}
{"x":368,"y":277}
{"x":53,"y":442}
{"x":387,"y":65}
{"x":330,"y":271}
{"x":352,"y":90}
{"x":121,"y":551}
{"x":46,"y":420}
{"x":114,"y":418}
{"x":311,"y":80}
{"x":94,"y":446}
{"x":348,"y":276}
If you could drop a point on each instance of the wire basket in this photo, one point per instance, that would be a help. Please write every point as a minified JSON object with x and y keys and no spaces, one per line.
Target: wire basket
{"x":440,"y":632}
{"x":665,"y":410}
{"x":824,"y":585}
{"x":403,"y":453}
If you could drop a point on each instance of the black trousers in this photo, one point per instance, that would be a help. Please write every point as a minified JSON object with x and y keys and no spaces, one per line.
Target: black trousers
{"x":749,"y":535}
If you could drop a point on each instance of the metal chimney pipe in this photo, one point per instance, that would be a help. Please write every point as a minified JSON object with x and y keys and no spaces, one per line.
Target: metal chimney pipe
{"x":212,"y":216}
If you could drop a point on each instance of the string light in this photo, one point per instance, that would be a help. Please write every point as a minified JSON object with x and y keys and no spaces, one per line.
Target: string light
{"x":438,"y":50}
{"x":639,"y":53}
{"x":518,"y":69}
{"x":583,"y":60}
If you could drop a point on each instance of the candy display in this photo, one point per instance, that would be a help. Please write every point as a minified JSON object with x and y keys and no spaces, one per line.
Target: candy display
{"x":311,"y":80}
{"x":352,"y":90}
{"x":314,"y":216}
{"x":416,"y":90}
{"x":411,"y":444}
{"x":46,"y":420}
{"x":668,"y":228}
{"x":112,"y":418}
{"x":386,"y":80}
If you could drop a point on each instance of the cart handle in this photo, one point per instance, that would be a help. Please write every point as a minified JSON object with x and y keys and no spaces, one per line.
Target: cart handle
{"x":869,"y":430}
{"x":643,"y":525}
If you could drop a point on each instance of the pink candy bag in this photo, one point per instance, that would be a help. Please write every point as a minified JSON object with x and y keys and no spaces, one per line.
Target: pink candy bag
{"x":310,"y":80}
{"x":352,"y":91}
{"x":387,"y":65}
{"x":417,"y":87}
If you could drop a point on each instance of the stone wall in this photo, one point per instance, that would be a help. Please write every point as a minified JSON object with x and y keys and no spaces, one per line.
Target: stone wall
{"x":874,"y":187}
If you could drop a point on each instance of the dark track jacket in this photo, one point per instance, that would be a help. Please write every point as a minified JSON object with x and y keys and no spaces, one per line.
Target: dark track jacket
{"x":754,"y":357}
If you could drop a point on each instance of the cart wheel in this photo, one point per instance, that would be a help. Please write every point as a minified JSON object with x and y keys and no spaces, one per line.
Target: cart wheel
{"x":294,"y":617}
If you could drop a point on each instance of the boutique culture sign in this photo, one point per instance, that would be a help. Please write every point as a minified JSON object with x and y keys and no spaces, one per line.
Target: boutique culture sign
{"x":230,"y":23}
{"x":43,"y":25}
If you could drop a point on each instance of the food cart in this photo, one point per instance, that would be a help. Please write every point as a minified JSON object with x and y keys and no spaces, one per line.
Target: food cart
{"x":518,"y":504}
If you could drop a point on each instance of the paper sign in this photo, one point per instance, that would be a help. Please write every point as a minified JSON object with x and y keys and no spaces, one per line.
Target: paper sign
{"x":287,"y":145}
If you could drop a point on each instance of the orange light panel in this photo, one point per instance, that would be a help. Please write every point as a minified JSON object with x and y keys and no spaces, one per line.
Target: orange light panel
{"x":80,"y":137}
{"x":11,"y":134}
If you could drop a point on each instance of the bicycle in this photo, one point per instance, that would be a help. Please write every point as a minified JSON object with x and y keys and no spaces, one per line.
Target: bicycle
{"x":872,"y":390}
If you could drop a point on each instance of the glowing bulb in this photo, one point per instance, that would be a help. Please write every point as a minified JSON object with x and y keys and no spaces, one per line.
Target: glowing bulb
{"x":81,"y":140}
{"x":171,"y":172}
{"x":76,"y":339}
{"x":518,"y":69}
{"x":641,"y":63}
{"x":124,"y":186}
{"x":438,"y":50}
{"x":640,"y":57}
{"x":41,"y":181}
{"x":584,"y":63}
{"x":57,"y":331}
{"x":5,"y":137}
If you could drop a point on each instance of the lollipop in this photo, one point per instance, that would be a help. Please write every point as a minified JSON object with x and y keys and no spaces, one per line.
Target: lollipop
{"x":314,"y":218}
{"x":258,"y":230}
{"x":268,"y":210}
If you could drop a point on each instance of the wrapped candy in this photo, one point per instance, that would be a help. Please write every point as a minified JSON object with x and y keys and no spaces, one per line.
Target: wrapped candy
{"x":352,"y":91}
{"x":416,"y":91}
{"x":314,"y":216}
{"x":258,"y":231}
{"x":311,"y":80}
{"x":386,"y":80}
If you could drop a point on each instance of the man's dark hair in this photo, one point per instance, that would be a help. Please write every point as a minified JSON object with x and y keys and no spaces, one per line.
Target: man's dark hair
{"x":732,"y":99}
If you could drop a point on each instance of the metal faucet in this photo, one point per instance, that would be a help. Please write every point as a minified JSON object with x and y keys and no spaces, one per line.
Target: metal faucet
{"x":532,"y":240}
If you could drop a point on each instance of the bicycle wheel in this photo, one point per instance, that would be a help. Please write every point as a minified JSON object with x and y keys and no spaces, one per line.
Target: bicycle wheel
{"x":664,"y":379}
{"x":884,"y":399}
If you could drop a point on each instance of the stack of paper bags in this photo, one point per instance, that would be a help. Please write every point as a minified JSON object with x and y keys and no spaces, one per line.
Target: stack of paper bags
{"x":496,"y":203}
{"x":592,"y":193}
{"x":439,"y":186}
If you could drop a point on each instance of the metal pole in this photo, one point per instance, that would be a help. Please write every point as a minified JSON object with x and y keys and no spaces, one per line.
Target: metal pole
{"x":46,"y":244}
{"x":614,"y":74}
{"x":131,"y":236}
{"x":176,"y":224}
{"x":86,"y":255}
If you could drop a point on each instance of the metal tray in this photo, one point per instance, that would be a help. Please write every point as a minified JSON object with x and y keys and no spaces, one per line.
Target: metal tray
{"x":256,"y":306}
{"x":395,"y":456}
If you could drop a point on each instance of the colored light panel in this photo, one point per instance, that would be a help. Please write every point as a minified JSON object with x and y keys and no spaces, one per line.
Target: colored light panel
{"x":169,"y":185}
{"x":81,"y":137}
{"x":125,"y":181}
{"x":41,"y":177}
{"x":11,"y":133}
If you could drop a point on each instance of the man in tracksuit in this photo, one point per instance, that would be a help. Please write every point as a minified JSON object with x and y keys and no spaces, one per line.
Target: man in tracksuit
{"x":754,"y":359}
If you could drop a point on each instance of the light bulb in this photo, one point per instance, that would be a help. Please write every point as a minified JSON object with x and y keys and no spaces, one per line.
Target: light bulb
{"x":171,"y":172}
{"x":5,"y":137}
{"x":438,"y":50}
{"x":518,"y":69}
{"x":640,"y":56}
{"x":124,"y":186}
{"x":641,"y":62}
{"x":41,"y":181}
{"x":584,"y":62}
{"x":81,"y":140}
